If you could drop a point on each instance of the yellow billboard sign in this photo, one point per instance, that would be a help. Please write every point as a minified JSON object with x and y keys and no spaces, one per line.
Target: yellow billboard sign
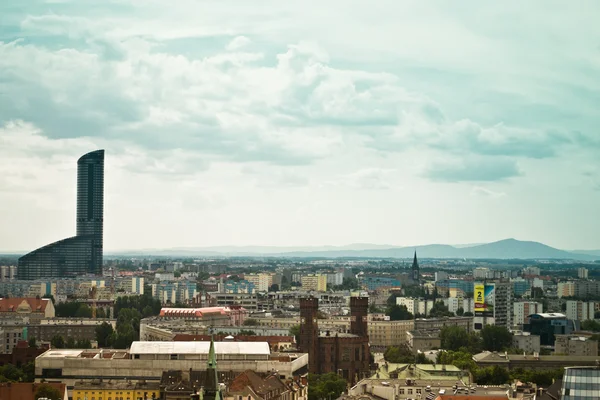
{"x":479,"y":301}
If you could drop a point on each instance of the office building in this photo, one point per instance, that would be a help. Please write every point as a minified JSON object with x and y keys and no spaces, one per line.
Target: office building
{"x":81,"y":254}
{"x":581,"y":310}
{"x":493,"y":304}
{"x":575,"y":345}
{"x":375,"y":282}
{"x":520,"y":286}
{"x":315,"y":282}
{"x":581,"y":383}
{"x":523,"y":309}
{"x":547,"y":326}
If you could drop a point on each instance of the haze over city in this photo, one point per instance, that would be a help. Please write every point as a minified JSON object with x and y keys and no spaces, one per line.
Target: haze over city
{"x":286,"y":125}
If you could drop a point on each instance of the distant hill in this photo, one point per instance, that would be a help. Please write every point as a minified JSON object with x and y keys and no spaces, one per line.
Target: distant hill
{"x":595,"y":253}
{"x":503,"y":249}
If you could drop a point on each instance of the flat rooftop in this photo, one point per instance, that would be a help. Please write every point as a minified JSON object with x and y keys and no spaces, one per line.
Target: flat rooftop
{"x":197,"y":347}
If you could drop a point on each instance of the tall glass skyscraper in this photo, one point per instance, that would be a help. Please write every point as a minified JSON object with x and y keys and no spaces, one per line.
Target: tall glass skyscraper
{"x":81,"y":254}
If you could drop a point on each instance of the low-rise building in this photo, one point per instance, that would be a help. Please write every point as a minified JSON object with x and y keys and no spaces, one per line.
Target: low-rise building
{"x":526,"y":341}
{"x":112,"y":389}
{"x":429,"y":324}
{"x":574,"y":345}
{"x":148,"y":360}
{"x":223,"y":316}
{"x":28,"y":390}
{"x":28,"y":309}
{"x":420,"y":341}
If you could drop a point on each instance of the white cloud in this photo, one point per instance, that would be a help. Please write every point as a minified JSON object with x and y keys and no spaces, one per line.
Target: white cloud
{"x":270,"y":118}
{"x":238,"y":42}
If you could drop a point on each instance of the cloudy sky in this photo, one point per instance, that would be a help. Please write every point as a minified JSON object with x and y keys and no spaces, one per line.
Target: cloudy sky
{"x":303,"y":123}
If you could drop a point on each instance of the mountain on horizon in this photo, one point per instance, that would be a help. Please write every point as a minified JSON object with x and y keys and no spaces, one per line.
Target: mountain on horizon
{"x":502,"y":249}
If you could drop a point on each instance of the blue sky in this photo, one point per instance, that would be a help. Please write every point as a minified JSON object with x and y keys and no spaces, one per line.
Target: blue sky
{"x":286,"y":123}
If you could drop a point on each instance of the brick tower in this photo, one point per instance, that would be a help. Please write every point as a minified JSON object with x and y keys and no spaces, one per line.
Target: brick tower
{"x":309,"y":332}
{"x":359,"y":309}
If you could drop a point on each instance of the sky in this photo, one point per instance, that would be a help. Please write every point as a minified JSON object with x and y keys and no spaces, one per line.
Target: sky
{"x":285,"y":123}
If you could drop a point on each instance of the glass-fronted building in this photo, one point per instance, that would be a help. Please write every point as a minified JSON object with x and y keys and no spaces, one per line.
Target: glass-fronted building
{"x":581,"y":383}
{"x":81,"y":254}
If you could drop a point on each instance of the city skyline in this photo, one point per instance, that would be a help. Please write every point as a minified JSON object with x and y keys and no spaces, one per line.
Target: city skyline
{"x":280,"y":126}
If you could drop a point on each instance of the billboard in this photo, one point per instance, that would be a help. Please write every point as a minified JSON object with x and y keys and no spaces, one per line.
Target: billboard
{"x":484,"y":300}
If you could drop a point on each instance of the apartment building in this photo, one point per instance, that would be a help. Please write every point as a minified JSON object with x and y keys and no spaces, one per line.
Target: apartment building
{"x":315,"y":282}
{"x":523,"y":309}
{"x":581,"y":310}
{"x":565,"y":289}
{"x":261,"y":281}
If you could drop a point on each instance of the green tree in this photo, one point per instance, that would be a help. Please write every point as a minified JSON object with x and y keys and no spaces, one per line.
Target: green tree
{"x":46,"y":391}
{"x":496,"y":338}
{"x":460,"y":311}
{"x":468,"y":314}
{"x":326,"y":386}
{"x":32,"y":342}
{"x":251,"y":322}
{"x":147,"y":311}
{"x":247,"y":332}
{"x":58,"y":342}
{"x":398,"y":313}
{"x":295,"y":332}
{"x":460,"y":359}
{"x":398,"y":354}
{"x":590,"y":325}
{"x":83,"y":311}
{"x":453,"y":338}
{"x":439,"y":309}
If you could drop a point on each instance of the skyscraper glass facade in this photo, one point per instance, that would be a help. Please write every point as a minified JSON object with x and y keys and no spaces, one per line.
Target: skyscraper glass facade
{"x":81,"y":254}
{"x":581,"y":383}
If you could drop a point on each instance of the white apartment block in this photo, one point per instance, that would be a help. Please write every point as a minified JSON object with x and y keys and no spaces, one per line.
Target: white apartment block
{"x":523,"y":309}
{"x":335,"y":278}
{"x":454,"y":303}
{"x":480,"y":273}
{"x":582,"y":273}
{"x":441,"y":275}
{"x":415,"y":305}
{"x":581,"y":310}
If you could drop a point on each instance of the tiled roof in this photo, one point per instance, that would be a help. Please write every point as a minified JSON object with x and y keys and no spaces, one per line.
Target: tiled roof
{"x":11,"y":304}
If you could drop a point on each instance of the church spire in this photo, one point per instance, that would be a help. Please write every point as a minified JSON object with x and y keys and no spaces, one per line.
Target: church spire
{"x":415,"y":264}
{"x":416,"y":275}
{"x":211,"y":390}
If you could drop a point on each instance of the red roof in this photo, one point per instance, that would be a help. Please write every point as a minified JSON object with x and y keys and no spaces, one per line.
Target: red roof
{"x":26,"y":391}
{"x":12,"y":303}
